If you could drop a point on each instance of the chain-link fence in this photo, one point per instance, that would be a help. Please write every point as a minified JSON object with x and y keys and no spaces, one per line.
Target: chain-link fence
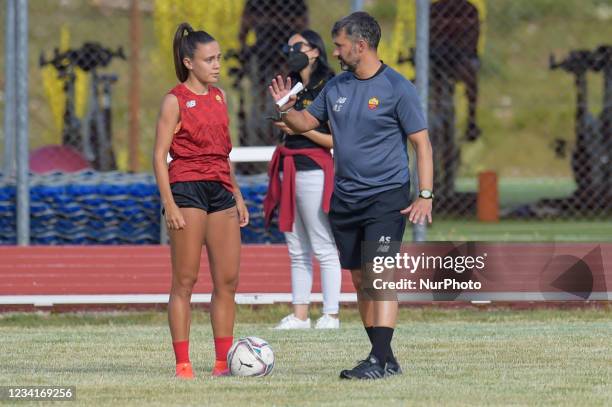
{"x":90,"y":134}
{"x":455,"y":28}
{"x":498,"y":102}
{"x":83,"y":103}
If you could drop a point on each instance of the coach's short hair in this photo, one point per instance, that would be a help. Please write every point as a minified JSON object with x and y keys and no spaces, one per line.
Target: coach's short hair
{"x":359,"y":25}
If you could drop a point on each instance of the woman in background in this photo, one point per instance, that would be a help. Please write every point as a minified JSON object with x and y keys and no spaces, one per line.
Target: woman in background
{"x":304,"y":164}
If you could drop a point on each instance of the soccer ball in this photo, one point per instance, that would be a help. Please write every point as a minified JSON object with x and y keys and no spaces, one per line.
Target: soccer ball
{"x":250,"y":356}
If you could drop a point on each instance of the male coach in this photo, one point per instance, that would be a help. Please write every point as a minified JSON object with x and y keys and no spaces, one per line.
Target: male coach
{"x":372,"y":110}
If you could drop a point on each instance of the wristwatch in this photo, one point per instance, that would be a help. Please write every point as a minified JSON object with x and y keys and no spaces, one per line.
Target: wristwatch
{"x":426,"y":194}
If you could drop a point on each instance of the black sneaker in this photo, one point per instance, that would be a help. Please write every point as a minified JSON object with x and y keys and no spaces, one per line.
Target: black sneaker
{"x":392,"y":368}
{"x":367,"y":369}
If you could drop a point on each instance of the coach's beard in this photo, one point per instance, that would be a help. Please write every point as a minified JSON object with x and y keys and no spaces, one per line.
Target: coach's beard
{"x":346,"y":67}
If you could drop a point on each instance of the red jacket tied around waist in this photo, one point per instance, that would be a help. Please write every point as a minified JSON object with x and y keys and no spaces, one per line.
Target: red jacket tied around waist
{"x":286,"y":199}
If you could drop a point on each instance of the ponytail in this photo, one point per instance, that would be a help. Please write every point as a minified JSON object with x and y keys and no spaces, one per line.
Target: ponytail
{"x":184,"y":45}
{"x":181,"y":70}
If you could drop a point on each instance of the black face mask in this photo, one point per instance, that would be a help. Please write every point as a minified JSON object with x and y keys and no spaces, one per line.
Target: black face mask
{"x":297,"y":61}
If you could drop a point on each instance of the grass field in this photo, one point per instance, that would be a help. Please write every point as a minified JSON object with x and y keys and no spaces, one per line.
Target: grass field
{"x":450,"y":357}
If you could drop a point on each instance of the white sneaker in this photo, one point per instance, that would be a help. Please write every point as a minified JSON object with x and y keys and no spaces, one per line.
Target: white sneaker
{"x":293,"y":322}
{"x":327,"y":322}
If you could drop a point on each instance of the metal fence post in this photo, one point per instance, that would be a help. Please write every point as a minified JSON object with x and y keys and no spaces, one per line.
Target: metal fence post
{"x":9,"y":90}
{"x":134,"y":93}
{"x":419,"y":231}
{"x":23,"y":190}
{"x":356,"y":5}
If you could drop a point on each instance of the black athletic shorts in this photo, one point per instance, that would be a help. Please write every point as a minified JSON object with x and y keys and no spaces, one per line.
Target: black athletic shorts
{"x":374,"y":219}
{"x":210,"y":196}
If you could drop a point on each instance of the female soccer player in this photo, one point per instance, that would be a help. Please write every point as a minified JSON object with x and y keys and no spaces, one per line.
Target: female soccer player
{"x":308,"y":172}
{"x":201,"y":200}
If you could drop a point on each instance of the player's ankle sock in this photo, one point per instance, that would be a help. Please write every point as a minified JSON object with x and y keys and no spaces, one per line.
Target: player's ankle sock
{"x":222,"y":346}
{"x":181,"y":351}
{"x":381,"y":342}
{"x":369,"y":331}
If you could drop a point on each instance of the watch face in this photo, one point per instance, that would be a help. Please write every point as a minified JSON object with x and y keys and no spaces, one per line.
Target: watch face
{"x":425,"y":194}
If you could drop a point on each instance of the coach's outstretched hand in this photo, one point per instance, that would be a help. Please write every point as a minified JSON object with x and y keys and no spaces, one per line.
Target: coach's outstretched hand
{"x":278,"y":89}
{"x":418,"y":211}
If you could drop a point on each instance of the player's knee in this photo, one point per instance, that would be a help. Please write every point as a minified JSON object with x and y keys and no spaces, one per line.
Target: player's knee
{"x":183,"y":285}
{"x":226,"y":285}
{"x":356,"y":277}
